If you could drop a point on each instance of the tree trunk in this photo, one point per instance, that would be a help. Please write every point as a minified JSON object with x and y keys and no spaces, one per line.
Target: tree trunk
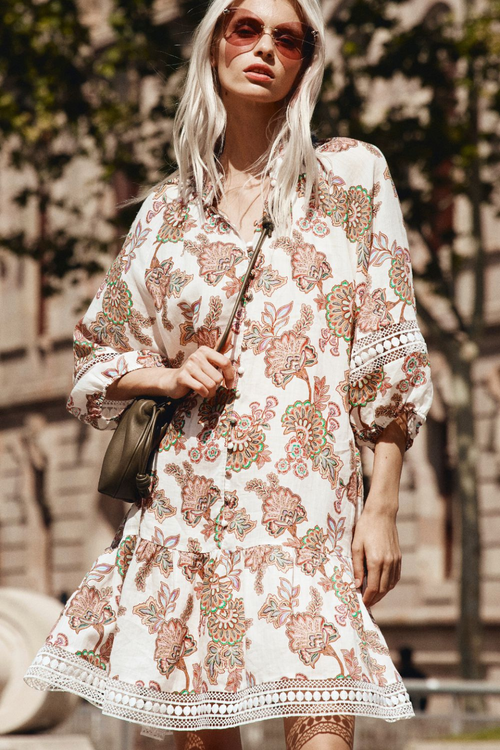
{"x":469,"y":624}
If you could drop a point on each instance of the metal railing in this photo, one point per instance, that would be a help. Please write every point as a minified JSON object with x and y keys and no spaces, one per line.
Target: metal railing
{"x":457,"y":690}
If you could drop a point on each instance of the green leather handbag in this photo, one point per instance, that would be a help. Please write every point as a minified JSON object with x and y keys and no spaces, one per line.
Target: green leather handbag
{"x":127,"y":465}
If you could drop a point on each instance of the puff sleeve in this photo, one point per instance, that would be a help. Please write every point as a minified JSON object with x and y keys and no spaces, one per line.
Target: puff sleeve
{"x":118,"y":333}
{"x":389,"y":373}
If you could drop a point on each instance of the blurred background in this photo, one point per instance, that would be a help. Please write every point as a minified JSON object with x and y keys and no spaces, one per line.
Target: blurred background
{"x":88,"y":90}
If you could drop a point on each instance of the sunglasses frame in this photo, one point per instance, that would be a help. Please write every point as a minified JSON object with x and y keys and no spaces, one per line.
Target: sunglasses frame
{"x":271,"y":30}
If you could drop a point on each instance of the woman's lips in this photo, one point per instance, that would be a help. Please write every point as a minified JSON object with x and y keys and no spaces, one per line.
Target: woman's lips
{"x":258,"y":73}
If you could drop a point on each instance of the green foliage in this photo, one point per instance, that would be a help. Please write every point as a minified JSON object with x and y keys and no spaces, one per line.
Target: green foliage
{"x":64,"y":96}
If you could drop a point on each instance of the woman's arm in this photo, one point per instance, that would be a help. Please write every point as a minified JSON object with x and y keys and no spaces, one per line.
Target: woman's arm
{"x":375,"y":536}
{"x":198,"y":373}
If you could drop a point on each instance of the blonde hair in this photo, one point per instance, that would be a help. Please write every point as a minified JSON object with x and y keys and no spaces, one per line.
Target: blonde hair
{"x":200,"y":121}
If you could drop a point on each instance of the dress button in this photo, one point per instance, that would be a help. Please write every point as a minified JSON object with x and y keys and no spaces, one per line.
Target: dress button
{"x":237,"y":394}
{"x":223,"y":523}
{"x":229,"y":473}
{"x":244,"y":346}
{"x":232,"y":419}
{"x":249,"y":296}
{"x":241,"y":370}
{"x":230,"y":445}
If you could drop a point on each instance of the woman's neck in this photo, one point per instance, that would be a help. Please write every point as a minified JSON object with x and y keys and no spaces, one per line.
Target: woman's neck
{"x":246,"y":139}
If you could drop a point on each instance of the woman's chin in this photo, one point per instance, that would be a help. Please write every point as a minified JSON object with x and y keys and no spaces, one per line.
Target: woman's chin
{"x":253,"y":94}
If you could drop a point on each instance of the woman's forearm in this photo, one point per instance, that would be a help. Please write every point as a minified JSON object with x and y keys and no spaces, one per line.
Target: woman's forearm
{"x":386,"y":475}
{"x":148,"y":381}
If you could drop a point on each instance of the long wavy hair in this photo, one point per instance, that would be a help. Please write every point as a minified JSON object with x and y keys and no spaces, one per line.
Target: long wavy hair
{"x":200,"y":121}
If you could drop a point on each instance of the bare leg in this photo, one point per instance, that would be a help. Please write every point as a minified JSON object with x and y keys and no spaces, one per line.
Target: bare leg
{"x":209,"y":739}
{"x":319,"y":732}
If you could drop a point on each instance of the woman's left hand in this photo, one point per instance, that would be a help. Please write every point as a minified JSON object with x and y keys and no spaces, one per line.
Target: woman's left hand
{"x":376,"y":544}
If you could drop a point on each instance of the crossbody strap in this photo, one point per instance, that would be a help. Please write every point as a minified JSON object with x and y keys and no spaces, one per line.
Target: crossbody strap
{"x":267,"y":230}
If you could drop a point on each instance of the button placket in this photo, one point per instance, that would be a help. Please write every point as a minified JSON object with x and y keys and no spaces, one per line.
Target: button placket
{"x":238,"y":347}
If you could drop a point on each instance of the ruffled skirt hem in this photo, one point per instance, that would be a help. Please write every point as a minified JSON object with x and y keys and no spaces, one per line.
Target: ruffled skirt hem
{"x":56,"y":669}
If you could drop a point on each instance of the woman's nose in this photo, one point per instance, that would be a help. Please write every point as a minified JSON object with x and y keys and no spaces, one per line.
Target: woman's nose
{"x":265,"y":45}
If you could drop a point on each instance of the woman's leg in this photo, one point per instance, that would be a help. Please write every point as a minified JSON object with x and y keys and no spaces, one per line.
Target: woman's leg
{"x":319,"y":732}
{"x":209,"y":739}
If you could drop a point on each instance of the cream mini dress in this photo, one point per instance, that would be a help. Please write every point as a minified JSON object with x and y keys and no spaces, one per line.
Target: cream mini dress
{"x":229,"y":596}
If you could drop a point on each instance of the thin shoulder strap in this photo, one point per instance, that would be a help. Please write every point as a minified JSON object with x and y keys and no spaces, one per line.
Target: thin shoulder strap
{"x":267,"y":230}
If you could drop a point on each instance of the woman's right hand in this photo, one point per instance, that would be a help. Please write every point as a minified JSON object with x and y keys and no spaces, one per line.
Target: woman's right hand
{"x":198,"y":373}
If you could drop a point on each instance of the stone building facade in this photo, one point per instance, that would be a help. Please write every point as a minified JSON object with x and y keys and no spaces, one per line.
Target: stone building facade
{"x":53,"y":522}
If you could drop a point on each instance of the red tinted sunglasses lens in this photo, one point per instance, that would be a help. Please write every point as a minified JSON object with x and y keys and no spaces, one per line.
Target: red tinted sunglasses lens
{"x":241,"y":28}
{"x":290,"y":40}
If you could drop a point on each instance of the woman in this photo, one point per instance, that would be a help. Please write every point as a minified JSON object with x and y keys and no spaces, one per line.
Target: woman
{"x":241,"y":589}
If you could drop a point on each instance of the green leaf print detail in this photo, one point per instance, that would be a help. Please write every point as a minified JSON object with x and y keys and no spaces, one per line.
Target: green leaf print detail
{"x":92,"y":658}
{"x":125,"y":554}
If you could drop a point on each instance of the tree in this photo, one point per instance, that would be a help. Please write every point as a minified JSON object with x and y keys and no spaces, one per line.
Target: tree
{"x":452,"y":142}
{"x":63,"y":98}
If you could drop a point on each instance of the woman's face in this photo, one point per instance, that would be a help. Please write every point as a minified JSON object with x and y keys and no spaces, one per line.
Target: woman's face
{"x":262,"y":74}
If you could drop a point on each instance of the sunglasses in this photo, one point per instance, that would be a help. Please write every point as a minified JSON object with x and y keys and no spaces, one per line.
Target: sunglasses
{"x":242,"y":28}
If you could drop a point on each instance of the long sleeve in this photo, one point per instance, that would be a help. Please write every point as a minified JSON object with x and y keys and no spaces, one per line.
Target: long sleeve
{"x":118,"y":333}
{"x":389,"y":375}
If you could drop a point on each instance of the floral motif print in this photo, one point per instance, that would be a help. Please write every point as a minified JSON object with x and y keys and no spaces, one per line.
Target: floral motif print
{"x":374,"y":311}
{"x":125,"y":553}
{"x":90,"y":608}
{"x":414,"y":367}
{"x":313,"y":552}
{"x":173,"y":642}
{"x":310,"y":267}
{"x":232,"y":582}
{"x":400,"y":273}
{"x":359,"y":213}
{"x":216,"y":259}
{"x":340,"y":310}
{"x":158,"y":502}
{"x":287,"y":357}
{"x":282,"y":509}
{"x":117,"y":302}
{"x":310,"y":636}
{"x":311,"y":438}
{"x":199,"y":493}
{"x":247,"y":435}
{"x":176,"y":222}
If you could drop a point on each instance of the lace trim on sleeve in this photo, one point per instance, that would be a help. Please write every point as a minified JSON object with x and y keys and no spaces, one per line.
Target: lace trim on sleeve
{"x":377,"y":349}
{"x":84,"y":368}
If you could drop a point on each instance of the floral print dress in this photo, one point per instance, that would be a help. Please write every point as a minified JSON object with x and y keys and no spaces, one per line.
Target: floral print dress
{"x":229,"y":596}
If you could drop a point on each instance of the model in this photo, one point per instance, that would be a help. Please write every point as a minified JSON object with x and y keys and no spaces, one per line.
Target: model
{"x":241,"y":588}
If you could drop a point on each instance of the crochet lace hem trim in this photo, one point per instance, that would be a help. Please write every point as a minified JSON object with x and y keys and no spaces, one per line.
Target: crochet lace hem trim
{"x":56,"y":669}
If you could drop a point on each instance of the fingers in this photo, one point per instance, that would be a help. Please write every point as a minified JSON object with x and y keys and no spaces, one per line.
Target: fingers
{"x":227,"y":369}
{"x":201,"y":373}
{"x":358,"y":563}
{"x":383,"y":575}
{"x":373,"y":583}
